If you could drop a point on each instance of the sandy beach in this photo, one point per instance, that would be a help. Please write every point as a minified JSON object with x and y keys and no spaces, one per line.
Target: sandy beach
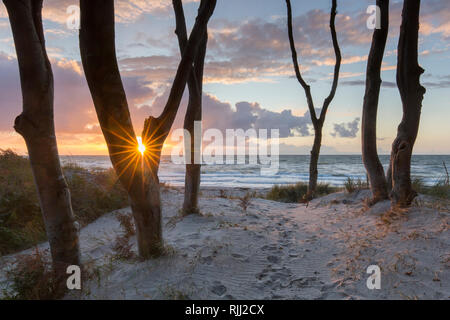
{"x":274,"y":250}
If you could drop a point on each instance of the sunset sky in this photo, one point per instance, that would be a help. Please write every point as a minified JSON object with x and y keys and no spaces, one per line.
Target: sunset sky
{"x":249,"y":78}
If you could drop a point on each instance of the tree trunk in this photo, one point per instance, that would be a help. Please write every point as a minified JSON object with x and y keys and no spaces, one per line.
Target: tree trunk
{"x":98,"y":54}
{"x":411,"y":92}
{"x":370,"y":157}
{"x":193,"y":113}
{"x":317,"y":122}
{"x":313,"y":162}
{"x":193,"y":169}
{"x":36,"y":125}
{"x":137,"y":172}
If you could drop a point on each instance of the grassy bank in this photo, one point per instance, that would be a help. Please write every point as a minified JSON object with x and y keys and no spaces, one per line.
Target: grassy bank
{"x":94,"y":193}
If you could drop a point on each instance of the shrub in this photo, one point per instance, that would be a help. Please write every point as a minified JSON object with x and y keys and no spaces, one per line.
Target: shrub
{"x":32,"y":278}
{"x":93,"y":194}
{"x":21,"y":224}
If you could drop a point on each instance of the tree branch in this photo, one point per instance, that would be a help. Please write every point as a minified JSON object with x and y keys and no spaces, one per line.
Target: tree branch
{"x":165,"y":120}
{"x":300,"y":79}
{"x":337,"y":66}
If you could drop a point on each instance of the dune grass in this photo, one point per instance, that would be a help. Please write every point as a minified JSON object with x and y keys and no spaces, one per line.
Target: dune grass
{"x":352,"y":185}
{"x":441,"y":189}
{"x":93,"y":193}
{"x":296,"y":193}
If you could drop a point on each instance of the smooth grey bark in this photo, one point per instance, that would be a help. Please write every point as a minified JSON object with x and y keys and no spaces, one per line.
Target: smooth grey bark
{"x":374,"y":168}
{"x":317,"y":122}
{"x":411,"y":92}
{"x":36,"y":125}
{"x":193,"y":112}
{"x":139,"y":174}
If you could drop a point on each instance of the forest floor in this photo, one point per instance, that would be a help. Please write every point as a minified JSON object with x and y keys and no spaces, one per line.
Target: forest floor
{"x":261,"y":249}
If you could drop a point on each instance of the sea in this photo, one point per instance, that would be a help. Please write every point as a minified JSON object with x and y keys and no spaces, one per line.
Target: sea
{"x":333,"y":169}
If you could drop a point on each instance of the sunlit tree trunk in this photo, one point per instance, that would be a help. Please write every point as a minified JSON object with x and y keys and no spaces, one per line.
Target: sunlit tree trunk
{"x":36,"y":125}
{"x":374,"y":168}
{"x":316,"y":121}
{"x":193,"y":112}
{"x":137,"y":172}
{"x":411,"y":92}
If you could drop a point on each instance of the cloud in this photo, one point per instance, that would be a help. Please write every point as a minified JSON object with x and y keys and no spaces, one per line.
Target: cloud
{"x":291,"y":149}
{"x":245,"y":115}
{"x":257,"y":49}
{"x":74,"y":110}
{"x":346,"y":130}
{"x":75,"y":113}
{"x":126,"y":10}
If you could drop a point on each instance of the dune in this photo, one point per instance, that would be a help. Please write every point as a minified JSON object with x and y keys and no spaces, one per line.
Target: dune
{"x":274,"y":250}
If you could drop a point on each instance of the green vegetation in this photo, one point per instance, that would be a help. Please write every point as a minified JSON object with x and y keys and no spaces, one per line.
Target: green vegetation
{"x":296,"y":193}
{"x":441,"y":189}
{"x":94,"y":193}
{"x":351,"y":185}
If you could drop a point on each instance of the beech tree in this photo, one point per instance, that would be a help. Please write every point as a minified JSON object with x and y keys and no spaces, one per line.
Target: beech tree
{"x":136,"y":164}
{"x":411,"y":93}
{"x":317,"y":122}
{"x":193,"y":112}
{"x":36,"y":125}
{"x":374,"y":168}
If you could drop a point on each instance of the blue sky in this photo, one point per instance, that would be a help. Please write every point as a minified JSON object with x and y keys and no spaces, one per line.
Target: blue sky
{"x":249,"y":79}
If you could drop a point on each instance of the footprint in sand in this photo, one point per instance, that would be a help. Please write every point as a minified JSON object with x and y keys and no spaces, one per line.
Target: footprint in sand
{"x":272,"y":247}
{"x":218,"y":288}
{"x":206,"y":260}
{"x":304,"y":282}
{"x":240,"y":257}
{"x":273,"y":259}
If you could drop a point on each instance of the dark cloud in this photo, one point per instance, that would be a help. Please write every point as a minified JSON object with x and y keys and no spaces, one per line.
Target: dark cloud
{"x":441,"y":82}
{"x":386,"y":84}
{"x":346,"y":130}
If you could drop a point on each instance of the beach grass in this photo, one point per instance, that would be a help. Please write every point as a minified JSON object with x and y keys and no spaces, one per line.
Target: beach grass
{"x":441,"y":189}
{"x":352,"y":185}
{"x":296,"y":192}
{"x":93,"y":194}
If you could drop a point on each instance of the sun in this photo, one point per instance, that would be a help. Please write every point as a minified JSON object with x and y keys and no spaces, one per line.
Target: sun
{"x":141,"y":146}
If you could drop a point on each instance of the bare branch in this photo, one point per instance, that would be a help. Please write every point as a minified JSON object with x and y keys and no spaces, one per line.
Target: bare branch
{"x":337,"y":67}
{"x":167,"y":117}
{"x":300,"y":79}
{"x":194,"y":82}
